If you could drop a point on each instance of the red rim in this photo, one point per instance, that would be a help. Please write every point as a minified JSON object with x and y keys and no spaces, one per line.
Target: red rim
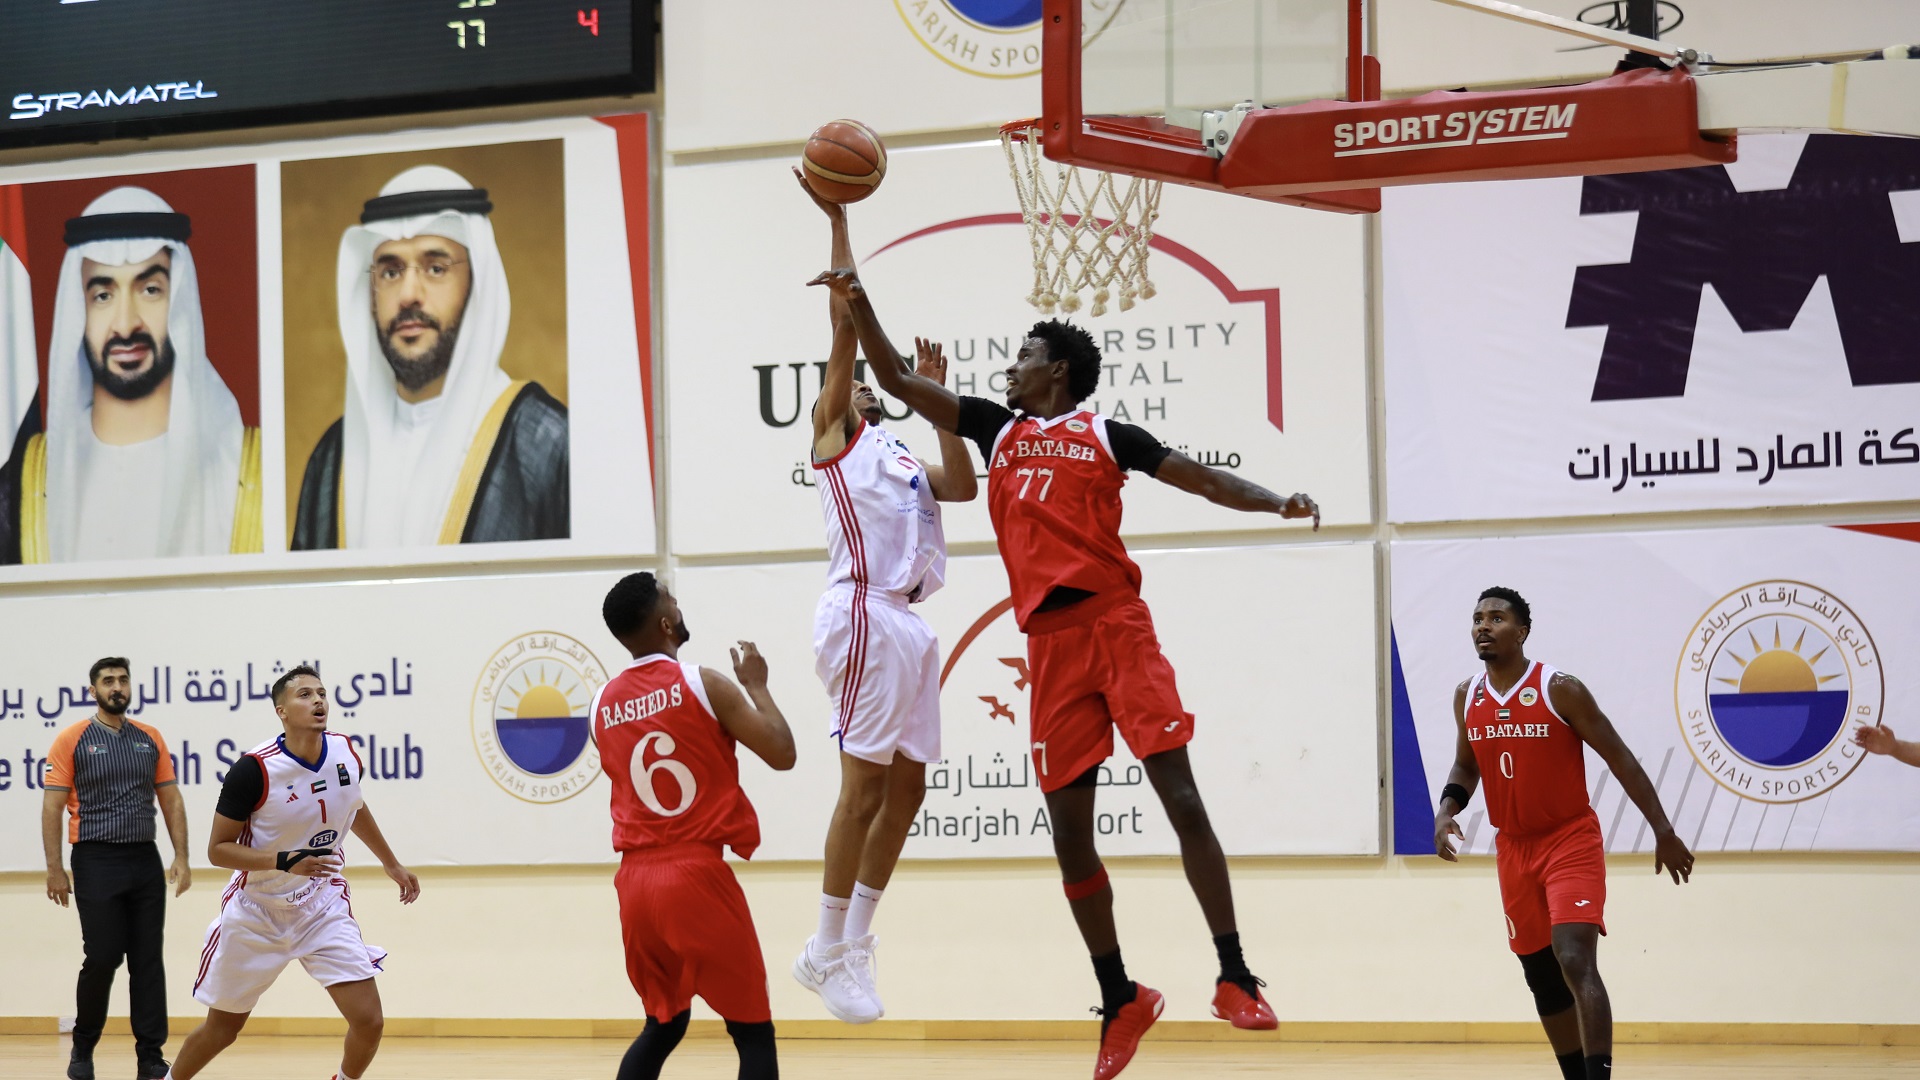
{"x":1020,"y":130}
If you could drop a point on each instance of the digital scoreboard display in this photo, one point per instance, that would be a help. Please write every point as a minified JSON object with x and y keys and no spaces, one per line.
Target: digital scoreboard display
{"x":90,"y":70}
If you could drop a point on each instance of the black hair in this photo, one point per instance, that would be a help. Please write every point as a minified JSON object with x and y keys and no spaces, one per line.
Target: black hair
{"x":1514,"y":600}
{"x":105,"y":662}
{"x":280,"y":684}
{"x":1073,"y":344}
{"x":629,"y":602}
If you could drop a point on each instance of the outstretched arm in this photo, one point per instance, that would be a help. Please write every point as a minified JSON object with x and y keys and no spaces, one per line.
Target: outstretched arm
{"x":938,"y":404}
{"x":1465,"y":776}
{"x":751,"y":718}
{"x":1230,"y":491}
{"x":952,"y":480}
{"x":368,"y":830}
{"x":1881,"y":740}
{"x":1574,"y":702}
{"x":836,"y":391}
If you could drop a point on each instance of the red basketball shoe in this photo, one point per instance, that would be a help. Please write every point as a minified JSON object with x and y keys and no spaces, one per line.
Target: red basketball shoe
{"x":1121,"y":1036}
{"x":1232,"y":1003}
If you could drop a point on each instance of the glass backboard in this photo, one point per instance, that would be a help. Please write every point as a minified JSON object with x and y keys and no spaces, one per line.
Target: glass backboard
{"x":1175,"y":58}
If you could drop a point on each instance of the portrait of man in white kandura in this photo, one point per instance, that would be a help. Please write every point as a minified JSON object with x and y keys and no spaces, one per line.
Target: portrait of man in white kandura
{"x":438,"y":444}
{"x":144,"y":453}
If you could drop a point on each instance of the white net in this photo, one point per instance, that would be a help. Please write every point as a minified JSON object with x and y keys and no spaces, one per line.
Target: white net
{"x":1090,"y":231}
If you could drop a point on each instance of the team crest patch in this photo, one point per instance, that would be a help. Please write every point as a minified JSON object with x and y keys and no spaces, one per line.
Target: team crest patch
{"x":1773,"y":681}
{"x":1529,"y":696}
{"x":530,"y":717}
{"x":1077,"y":426}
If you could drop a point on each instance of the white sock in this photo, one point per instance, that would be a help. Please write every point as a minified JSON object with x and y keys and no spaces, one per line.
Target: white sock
{"x":342,"y":1075}
{"x":833,"y":921}
{"x":860,"y":912}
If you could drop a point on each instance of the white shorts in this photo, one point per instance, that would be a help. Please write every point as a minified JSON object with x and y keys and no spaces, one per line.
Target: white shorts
{"x":880,"y":663}
{"x":252,"y":940}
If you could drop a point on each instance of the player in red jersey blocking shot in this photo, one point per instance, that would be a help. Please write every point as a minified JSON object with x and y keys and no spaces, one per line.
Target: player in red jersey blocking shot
{"x":666,"y":732}
{"x":1054,"y":474}
{"x":1524,"y":727}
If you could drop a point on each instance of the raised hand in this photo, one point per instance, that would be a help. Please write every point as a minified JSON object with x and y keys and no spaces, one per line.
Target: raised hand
{"x":1671,"y":855}
{"x":930,"y":360}
{"x":832,"y":209}
{"x":843,"y":282}
{"x":1444,"y":827}
{"x":748,"y":665}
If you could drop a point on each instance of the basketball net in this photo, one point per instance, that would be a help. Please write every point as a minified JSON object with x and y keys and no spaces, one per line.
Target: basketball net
{"x":1089,"y":230}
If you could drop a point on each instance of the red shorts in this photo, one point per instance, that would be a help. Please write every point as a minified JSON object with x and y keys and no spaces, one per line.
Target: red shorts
{"x":687,"y":931}
{"x":1089,"y":679}
{"x":1556,"y":877}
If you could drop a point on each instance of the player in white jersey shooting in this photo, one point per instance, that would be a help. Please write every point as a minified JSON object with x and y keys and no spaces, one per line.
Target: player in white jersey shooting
{"x":879,"y":661}
{"x":284,"y":808}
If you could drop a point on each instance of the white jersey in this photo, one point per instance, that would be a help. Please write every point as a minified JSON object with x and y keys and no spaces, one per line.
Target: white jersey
{"x":303,"y":806}
{"x":883,"y":525}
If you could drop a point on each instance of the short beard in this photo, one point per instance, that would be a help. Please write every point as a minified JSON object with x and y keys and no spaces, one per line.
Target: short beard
{"x":113,"y":708}
{"x":681,"y":635}
{"x":131,"y":387}
{"x":417,"y":374}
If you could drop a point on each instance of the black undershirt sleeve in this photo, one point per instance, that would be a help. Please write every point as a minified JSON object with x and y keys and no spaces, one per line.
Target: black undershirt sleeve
{"x":980,"y":423}
{"x":241,"y":792}
{"x":1134,"y":448}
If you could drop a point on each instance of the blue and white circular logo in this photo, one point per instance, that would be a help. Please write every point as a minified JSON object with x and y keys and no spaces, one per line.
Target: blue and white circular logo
{"x":997,"y":39}
{"x":1774,"y":679}
{"x":530,"y":716}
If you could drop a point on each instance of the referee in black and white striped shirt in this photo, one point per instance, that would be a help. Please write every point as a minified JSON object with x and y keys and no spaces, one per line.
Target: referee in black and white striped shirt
{"x":107,"y":772}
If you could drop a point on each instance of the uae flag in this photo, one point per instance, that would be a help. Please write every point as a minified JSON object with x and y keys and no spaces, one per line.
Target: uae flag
{"x":19,"y":372}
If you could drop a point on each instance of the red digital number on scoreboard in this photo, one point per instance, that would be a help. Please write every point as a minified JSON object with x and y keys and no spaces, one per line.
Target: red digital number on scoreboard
{"x":591,"y":20}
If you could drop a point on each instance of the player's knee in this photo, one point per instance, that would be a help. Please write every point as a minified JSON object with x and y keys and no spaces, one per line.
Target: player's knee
{"x":370,"y":1025}
{"x":1185,"y":810}
{"x":1549,"y":986}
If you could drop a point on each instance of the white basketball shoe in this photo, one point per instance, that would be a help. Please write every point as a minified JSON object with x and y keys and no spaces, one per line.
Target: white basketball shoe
{"x":828,"y":974}
{"x":860,"y":964}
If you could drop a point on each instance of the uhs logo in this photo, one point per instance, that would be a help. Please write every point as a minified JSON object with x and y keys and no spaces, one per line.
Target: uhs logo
{"x":531,"y":722}
{"x":1773,"y":680}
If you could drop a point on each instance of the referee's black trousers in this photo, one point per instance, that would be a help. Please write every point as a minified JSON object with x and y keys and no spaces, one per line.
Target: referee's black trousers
{"x":121,"y":891}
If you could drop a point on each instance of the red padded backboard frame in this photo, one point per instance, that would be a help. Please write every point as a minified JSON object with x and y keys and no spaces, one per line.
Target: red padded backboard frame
{"x":1336,"y":155}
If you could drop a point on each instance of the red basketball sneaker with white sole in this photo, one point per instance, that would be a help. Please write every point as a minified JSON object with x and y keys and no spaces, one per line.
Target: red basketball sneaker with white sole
{"x":1232,"y":1003}
{"x":1121,"y":1036}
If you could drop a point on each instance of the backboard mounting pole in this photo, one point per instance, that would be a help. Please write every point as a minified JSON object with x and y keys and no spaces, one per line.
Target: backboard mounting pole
{"x":1631,"y":42}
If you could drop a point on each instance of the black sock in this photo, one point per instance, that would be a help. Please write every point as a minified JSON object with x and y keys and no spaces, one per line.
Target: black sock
{"x":1599,"y":1066}
{"x":649,"y":1052}
{"x":1115,"y":988}
{"x":1572,"y":1066}
{"x":1233,"y":966}
{"x":758,"y":1061}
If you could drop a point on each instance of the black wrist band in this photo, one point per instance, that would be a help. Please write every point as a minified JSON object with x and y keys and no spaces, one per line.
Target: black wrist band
{"x":285,"y":860}
{"x":1458,"y":794}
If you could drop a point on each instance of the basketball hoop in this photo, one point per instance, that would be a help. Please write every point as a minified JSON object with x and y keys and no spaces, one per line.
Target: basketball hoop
{"x":1085,"y":235}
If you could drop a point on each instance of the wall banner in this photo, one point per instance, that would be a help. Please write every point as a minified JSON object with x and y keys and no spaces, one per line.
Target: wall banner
{"x":1251,"y":357}
{"x":1736,"y":664}
{"x":1704,"y":338}
{"x":369,"y":351}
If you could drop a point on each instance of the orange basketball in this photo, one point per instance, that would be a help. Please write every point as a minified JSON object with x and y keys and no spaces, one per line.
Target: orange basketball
{"x":844,"y":161}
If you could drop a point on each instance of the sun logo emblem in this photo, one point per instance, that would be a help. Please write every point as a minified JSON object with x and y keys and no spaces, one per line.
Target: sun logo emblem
{"x":1771,"y":684}
{"x":531,"y":717}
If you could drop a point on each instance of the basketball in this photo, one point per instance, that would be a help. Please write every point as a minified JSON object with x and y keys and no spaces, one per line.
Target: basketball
{"x":844,"y":161}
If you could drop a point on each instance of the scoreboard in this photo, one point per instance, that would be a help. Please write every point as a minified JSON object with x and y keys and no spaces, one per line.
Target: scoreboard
{"x":90,"y":70}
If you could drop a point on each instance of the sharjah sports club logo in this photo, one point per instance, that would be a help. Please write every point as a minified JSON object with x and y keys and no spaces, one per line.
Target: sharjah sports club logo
{"x":530,"y":717}
{"x":999,"y":39}
{"x":1528,"y":696}
{"x":1774,"y":678}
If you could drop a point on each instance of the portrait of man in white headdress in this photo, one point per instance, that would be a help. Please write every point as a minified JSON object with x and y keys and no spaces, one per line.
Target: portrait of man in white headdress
{"x":437,"y":444}
{"x":144,"y":453}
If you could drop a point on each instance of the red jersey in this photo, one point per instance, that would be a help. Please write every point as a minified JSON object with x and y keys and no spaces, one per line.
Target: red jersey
{"x":675,"y":777}
{"x":1053,"y":491}
{"x":1533,"y":768}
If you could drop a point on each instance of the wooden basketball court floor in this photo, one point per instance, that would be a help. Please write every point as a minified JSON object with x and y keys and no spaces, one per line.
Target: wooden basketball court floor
{"x":277,"y":1057}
